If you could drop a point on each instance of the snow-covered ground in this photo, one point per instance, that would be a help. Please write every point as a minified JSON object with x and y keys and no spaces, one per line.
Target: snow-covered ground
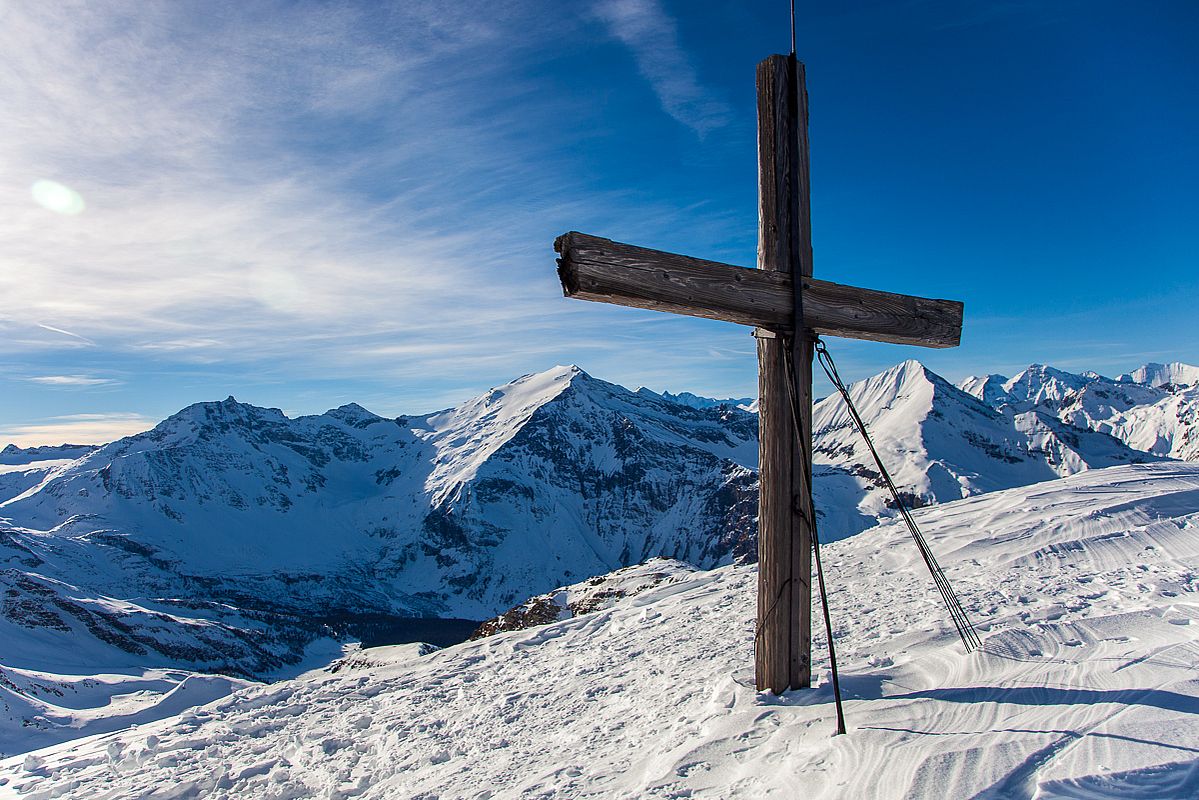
{"x":65,"y":706}
{"x":1085,"y":591}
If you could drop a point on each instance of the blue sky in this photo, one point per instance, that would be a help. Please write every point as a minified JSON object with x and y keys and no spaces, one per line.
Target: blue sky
{"x":307,"y":204}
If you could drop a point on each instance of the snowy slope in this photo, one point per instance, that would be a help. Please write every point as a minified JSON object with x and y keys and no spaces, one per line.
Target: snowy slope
{"x":44,"y":708}
{"x":74,"y":663}
{"x":21,"y":469}
{"x":1083,"y":589}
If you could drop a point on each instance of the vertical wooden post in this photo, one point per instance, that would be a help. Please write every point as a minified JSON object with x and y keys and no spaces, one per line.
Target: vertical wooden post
{"x":785,"y":512}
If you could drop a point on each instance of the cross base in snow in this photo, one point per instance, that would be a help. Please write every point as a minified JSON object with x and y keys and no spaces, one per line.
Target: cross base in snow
{"x":789,"y":309}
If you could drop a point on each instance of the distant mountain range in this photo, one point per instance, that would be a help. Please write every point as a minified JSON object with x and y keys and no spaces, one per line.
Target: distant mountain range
{"x":695,"y":401}
{"x":232,"y":539}
{"x":1153,"y":409}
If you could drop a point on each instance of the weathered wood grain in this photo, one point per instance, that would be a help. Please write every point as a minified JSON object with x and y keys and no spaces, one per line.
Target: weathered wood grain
{"x":601,"y":270}
{"x":783,"y":648}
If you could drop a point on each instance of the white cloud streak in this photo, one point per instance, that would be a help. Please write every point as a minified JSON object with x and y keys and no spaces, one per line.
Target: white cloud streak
{"x":71,"y":380}
{"x":76,"y":336}
{"x":652,"y":35}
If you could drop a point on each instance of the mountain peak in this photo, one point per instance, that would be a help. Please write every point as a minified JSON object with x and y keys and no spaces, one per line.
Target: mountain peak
{"x":544,"y":385}
{"x":217,"y":413}
{"x":1044,"y":371}
{"x":906,"y":372}
{"x":908,"y":385}
{"x":1041,"y":384}
{"x":557,"y":372}
{"x":353,"y":415}
{"x":988,"y":388}
{"x":466,"y":436}
{"x":1175,"y":373}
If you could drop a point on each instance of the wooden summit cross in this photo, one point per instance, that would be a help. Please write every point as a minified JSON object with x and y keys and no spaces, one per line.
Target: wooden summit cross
{"x":788,"y":308}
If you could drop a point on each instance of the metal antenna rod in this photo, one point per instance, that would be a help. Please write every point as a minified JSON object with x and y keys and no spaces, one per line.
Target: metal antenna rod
{"x":792,"y":27}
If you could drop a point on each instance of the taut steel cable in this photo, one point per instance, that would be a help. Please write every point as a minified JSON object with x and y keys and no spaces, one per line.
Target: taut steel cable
{"x":958,"y":614}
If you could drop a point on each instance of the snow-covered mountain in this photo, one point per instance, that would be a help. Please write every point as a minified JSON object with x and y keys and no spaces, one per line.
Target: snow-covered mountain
{"x":1154,"y":408}
{"x":940,"y":444}
{"x":1173,"y":374}
{"x":988,"y":388}
{"x":1084,"y":592}
{"x":232,"y":539}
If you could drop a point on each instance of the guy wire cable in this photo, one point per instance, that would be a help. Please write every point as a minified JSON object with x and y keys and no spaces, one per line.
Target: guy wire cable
{"x":961,"y":621}
{"x":797,"y":423}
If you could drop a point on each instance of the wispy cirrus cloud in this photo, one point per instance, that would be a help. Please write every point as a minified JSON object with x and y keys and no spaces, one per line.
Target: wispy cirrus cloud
{"x":246,"y":181}
{"x":652,"y":35}
{"x":291,"y":175}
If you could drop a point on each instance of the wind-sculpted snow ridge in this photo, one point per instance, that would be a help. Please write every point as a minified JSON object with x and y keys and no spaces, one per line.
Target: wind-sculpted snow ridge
{"x":1085,"y":591}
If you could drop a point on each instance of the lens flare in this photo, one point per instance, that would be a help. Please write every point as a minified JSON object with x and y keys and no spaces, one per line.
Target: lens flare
{"x":57,"y":198}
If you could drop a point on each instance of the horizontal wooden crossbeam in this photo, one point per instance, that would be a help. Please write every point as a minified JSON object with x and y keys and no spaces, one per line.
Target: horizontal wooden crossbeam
{"x":592,"y":268}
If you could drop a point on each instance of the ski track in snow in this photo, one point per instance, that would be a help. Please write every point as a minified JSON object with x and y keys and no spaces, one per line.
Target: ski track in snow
{"x":1085,"y":591}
